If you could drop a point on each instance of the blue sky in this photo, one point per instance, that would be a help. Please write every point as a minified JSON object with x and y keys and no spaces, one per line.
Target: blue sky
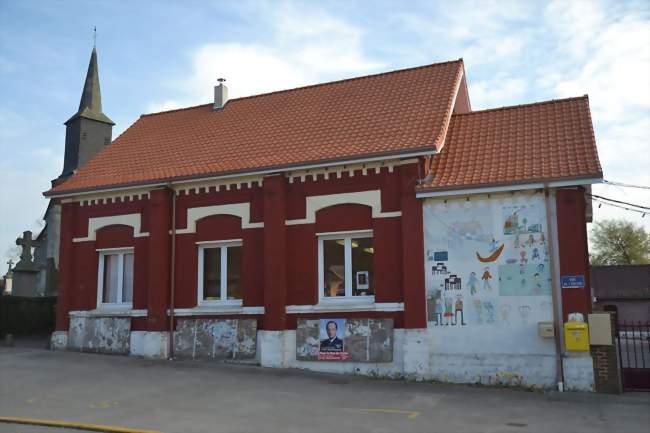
{"x":167,"y":54}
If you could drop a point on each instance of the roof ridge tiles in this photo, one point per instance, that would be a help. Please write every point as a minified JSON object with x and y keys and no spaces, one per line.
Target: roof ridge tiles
{"x":309,"y":86}
{"x":531,"y":104}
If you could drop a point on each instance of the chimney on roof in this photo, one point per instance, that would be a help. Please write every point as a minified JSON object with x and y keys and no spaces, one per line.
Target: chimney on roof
{"x":220,"y":95}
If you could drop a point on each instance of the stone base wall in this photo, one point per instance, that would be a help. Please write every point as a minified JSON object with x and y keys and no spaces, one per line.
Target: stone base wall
{"x":154,"y":345}
{"x":578,"y":372}
{"x":100,"y":334}
{"x":412,"y":353}
{"x":215,"y":338}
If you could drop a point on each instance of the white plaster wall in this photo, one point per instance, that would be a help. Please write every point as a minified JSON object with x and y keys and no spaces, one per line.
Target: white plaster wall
{"x":498,"y":342}
{"x":578,"y":371}
{"x":149,"y":344}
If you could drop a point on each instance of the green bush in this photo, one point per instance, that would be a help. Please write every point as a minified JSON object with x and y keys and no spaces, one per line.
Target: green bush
{"x":27,"y":316}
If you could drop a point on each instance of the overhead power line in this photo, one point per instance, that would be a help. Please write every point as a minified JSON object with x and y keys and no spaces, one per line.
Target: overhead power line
{"x":599,"y":197}
{"x":603,"y":202}
{"x":627,"y":185}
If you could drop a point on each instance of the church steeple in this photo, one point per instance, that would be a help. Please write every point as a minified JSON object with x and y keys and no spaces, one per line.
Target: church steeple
{"x":89,"y":129}
{"x":90,"y":105}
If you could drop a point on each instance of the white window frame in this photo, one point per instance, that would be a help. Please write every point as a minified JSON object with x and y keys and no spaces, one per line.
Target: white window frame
{"x":347,"y":237}
{"x":119,"y":305}
{"x":223,"y":245}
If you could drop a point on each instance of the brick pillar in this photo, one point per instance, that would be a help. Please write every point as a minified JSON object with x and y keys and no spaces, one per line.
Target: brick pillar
{"x":66,"y":267}
{"x":607,"y":369}
{"x":275,"y":253}
{"x":573,"y":248}
{"x":415,"y":311}
{"x":158,"y":260}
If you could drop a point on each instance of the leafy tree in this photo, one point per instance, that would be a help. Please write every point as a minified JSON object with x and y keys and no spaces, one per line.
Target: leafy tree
{"x":619,"y":242}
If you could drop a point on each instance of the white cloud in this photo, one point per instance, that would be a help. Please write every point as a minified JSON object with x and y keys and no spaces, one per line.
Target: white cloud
{"x":303,"y":48}
{"x":606,"y":54}
{"x":496,"y":92}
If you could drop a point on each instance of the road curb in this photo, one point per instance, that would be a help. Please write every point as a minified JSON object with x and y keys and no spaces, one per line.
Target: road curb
{"x":71,"y":425}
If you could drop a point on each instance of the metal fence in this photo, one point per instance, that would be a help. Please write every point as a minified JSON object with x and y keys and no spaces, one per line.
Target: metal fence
{"x":634,"y":351}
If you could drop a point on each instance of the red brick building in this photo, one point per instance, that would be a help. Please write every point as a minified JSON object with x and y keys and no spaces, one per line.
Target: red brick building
{"x":249,"y":220}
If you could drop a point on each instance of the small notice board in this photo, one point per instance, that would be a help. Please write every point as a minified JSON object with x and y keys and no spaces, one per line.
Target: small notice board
{"x":573,"y":281}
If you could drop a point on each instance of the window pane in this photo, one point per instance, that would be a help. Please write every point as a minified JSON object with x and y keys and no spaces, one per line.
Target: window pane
{"x":110,"y":278}
{"x":334,"y":267}
{"x":234,"y":289}
{"x":127,"y":279}
{"x":362,"y":272}
{"x":212,"y":274}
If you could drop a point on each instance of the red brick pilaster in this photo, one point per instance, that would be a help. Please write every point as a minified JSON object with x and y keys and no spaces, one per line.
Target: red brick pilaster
{"x":573,"y":248}
{"x":159,"y":255}
{"x":66,"y":267}
{"x":275,"y":253}
{"x":415,"y":311}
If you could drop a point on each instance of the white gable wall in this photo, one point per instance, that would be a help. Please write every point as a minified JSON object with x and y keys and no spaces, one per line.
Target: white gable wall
{"x":494,"y":340}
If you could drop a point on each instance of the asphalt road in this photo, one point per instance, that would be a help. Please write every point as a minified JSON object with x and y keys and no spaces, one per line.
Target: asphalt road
{"x":187,"y":397}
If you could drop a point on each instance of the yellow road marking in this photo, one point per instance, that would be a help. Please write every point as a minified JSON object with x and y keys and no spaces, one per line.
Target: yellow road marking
{"x":72,"y":425}
{"x":411,"y":414}
{"x":104,"y":405}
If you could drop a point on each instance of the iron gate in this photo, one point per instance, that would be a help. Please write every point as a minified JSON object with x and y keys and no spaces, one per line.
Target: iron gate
{"x":634,"y":351}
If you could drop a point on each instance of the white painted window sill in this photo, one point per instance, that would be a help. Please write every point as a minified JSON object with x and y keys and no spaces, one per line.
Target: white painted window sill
{"x":215,"y":310}
{"x":345,"y":307}
{"x":109,"y":312}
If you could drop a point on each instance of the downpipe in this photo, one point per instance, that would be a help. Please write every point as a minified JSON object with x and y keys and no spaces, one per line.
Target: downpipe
{"x":172,"y":273}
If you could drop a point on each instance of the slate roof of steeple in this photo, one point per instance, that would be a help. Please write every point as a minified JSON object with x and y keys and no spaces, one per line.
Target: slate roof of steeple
{"x":90,"y":106}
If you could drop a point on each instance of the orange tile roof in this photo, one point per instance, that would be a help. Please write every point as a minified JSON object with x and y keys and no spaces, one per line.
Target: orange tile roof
{"x":545,"y":141}
{"x":386,"y":114}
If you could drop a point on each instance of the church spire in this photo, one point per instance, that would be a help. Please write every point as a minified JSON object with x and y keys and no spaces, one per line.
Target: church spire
{"x":90,"y":105}
{"x":89,"y":130}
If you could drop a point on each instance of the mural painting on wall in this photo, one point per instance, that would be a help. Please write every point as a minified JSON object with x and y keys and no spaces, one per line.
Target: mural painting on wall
{"x":486,"y":262}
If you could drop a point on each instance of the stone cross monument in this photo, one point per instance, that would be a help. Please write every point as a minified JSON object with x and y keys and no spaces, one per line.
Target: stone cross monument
{"x":26,"y":271}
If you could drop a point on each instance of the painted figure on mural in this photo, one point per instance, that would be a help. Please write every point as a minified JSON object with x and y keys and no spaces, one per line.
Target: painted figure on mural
{"x":505,"y":313}
{"x":535,"y":256}
{"x":459,"y":309}
{"x":542,"y":239}
{"x":494,"y":245}
{"x":487,"y":276}
{"x":490,"y":312}
{"x":531,"y":240}
{"x":545,"y":253}
{"x":537,"y":289}
{"x":517,"y":243}
{"x":478,"y":307}
{"x":439,"y":308}
{"x":472,"y":282}
{"x":523,"y":257}
{"x":449,"y":314}
{"x":524,"y":312}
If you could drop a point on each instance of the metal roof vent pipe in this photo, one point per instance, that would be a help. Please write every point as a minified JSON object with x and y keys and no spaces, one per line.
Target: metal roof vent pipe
{"x":220,"y":95}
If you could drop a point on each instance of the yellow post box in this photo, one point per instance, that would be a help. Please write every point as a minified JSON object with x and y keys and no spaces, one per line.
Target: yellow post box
{"x":576,"y":336}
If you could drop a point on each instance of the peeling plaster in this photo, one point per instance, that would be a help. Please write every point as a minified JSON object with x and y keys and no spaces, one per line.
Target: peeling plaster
{"x":215,"y":338}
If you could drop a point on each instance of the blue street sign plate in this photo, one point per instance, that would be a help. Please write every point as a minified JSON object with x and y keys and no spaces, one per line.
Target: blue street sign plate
{"x":573,"y":281}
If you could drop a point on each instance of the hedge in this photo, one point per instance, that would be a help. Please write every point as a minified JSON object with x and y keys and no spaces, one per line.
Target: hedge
{"x":27,"y":316}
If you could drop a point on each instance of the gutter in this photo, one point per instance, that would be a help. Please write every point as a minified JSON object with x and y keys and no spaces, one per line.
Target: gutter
{"x":481,"y":189}
{"x":243,"y":173}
